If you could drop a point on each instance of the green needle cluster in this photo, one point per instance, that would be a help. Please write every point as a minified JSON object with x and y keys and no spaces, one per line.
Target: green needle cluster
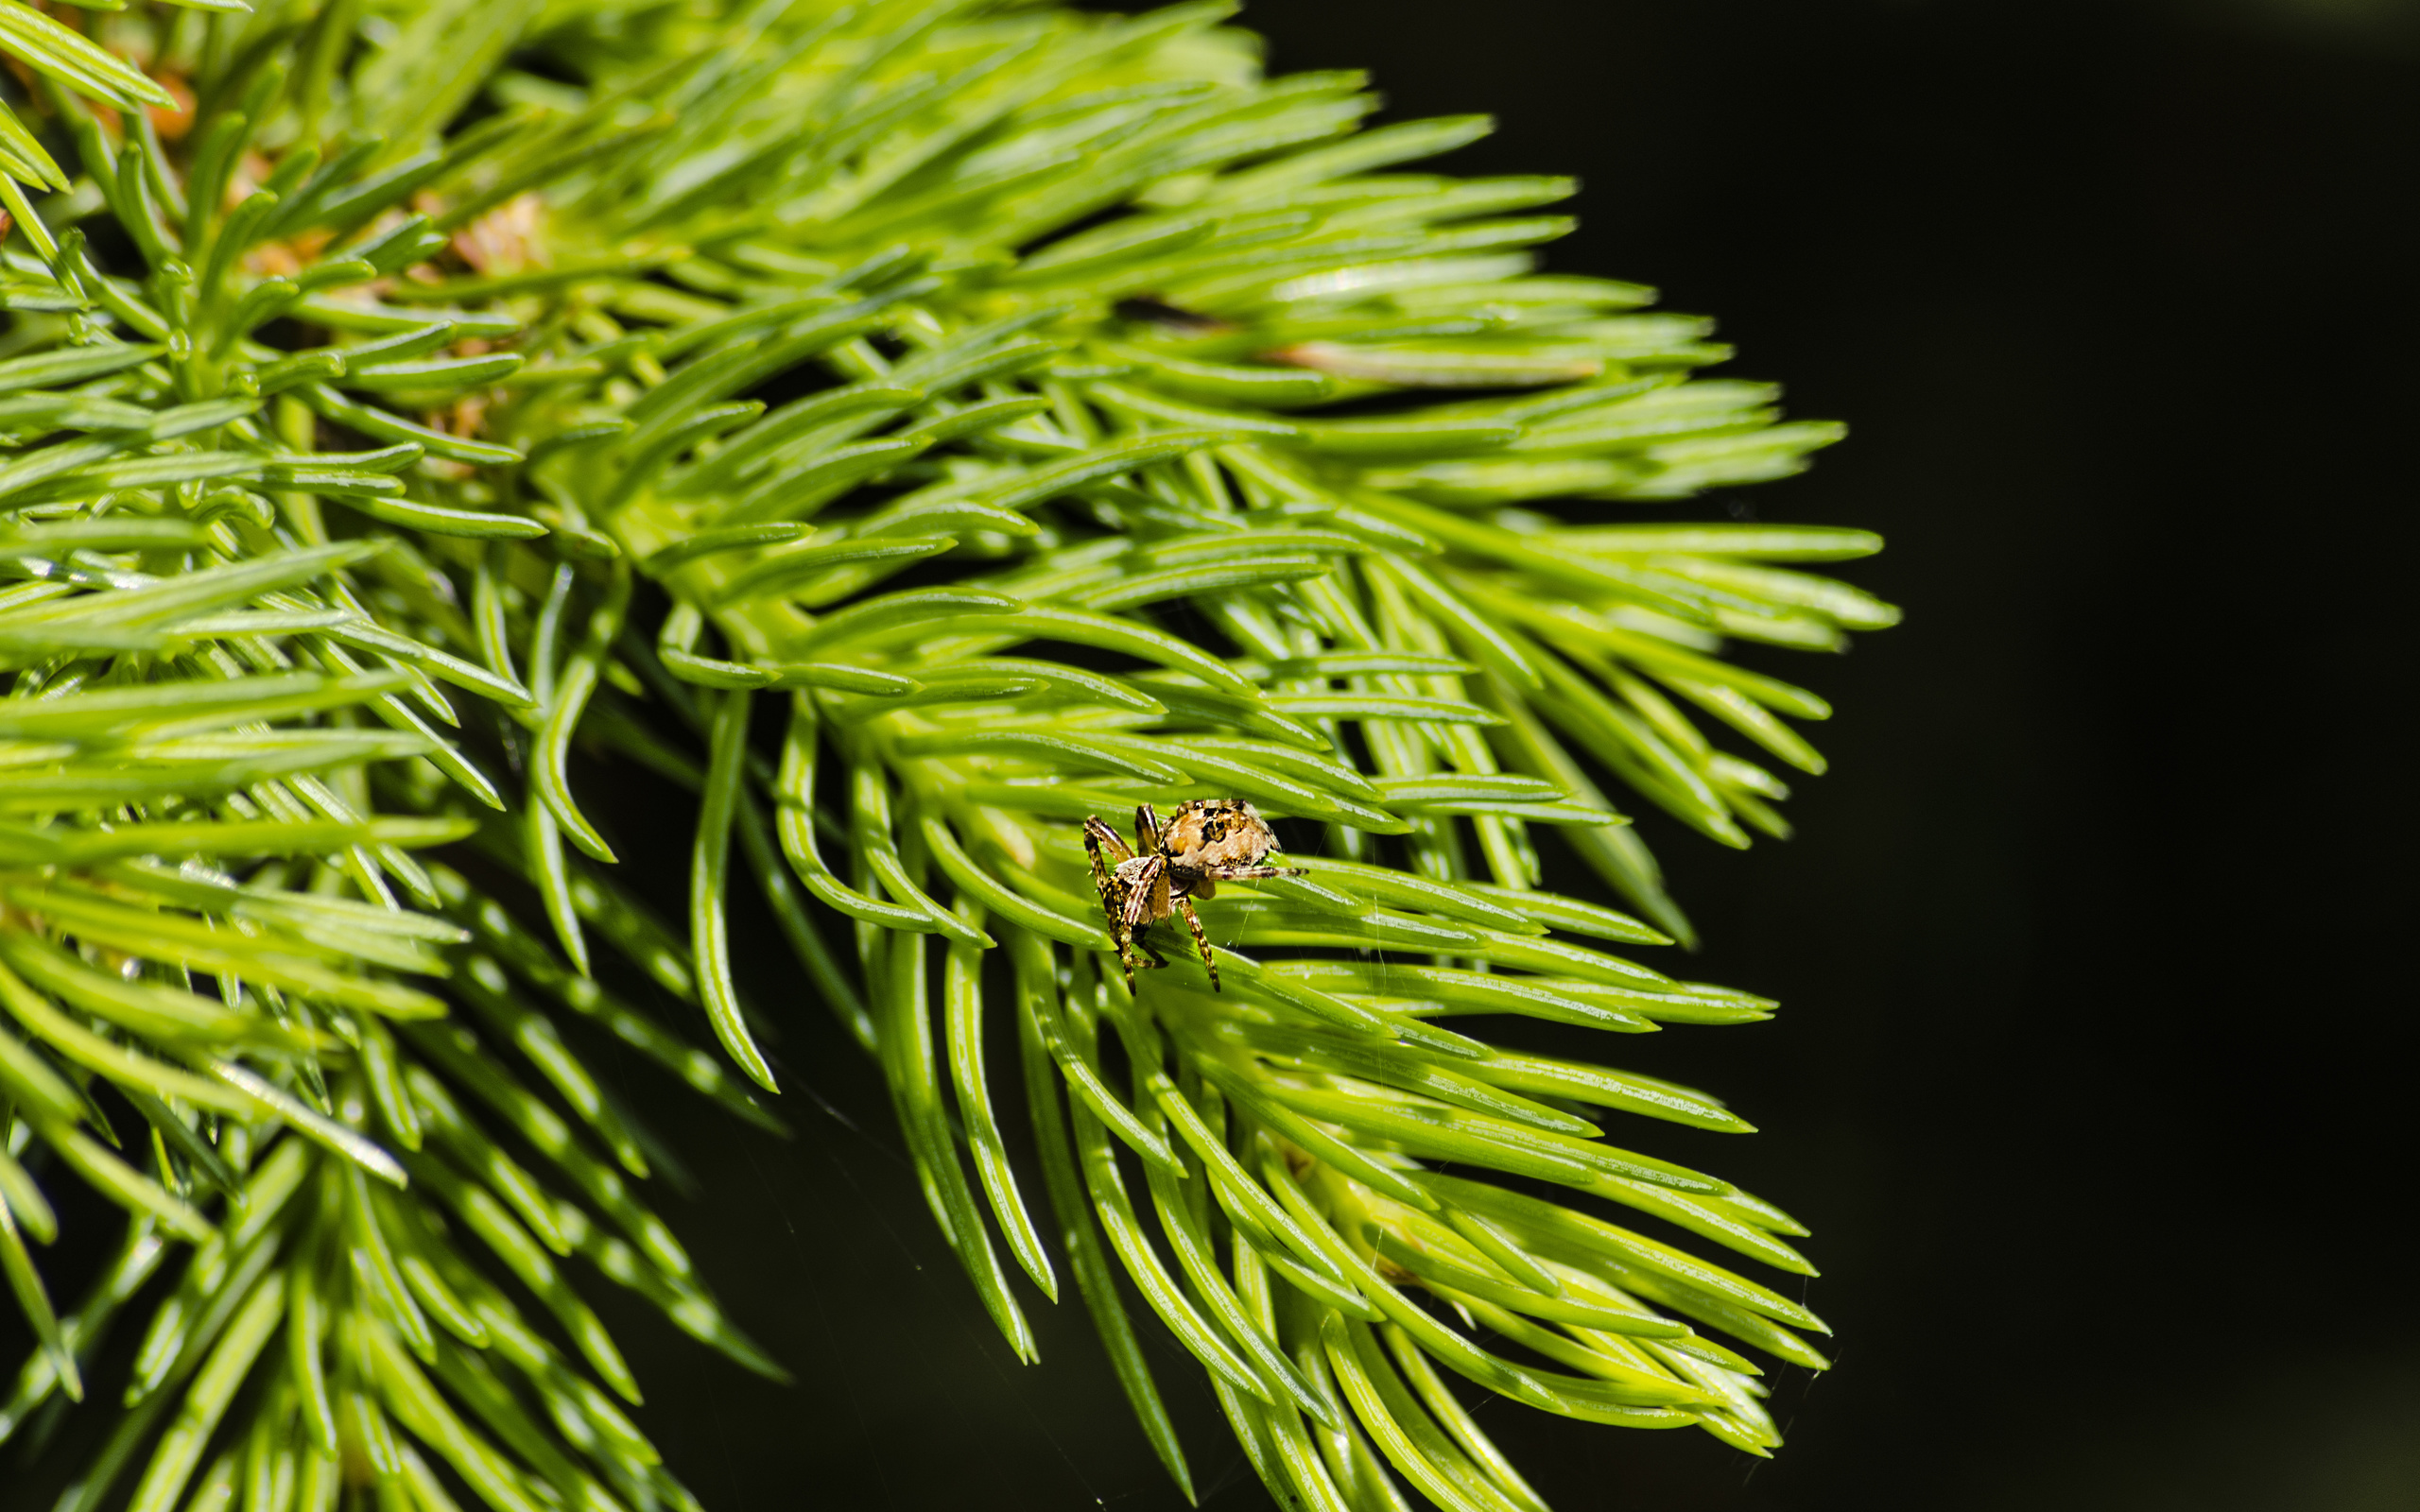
{"x":908,"y":428}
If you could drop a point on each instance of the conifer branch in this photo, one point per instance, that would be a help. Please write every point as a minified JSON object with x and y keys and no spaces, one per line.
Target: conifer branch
{"x":1024,"y":415}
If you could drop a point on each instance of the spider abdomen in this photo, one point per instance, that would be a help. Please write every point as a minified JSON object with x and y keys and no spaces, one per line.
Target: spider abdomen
{"x":1208,"y":834}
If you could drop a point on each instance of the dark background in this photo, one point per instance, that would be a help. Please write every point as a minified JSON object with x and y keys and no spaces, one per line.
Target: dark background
{"x":2089,"y":1077}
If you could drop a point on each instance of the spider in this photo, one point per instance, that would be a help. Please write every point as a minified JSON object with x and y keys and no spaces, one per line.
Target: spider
{"x":1205,"y":842}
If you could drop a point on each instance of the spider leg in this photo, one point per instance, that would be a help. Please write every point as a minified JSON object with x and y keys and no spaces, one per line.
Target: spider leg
{"x":1147,"y":899}
{"x":1098,"y":837}
{"x":1147,"y":891}
{"x":1200,"y":939}
{"x":1251,"y":873}
{"x":1147,"y":829}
